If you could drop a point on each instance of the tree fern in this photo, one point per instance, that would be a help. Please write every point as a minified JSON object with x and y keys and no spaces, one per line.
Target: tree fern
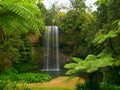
{"x":100,"y":38}
{"x":92,"y":63}
{"x":91,"y":57}
{"x":76,"y":59}
{"x":25,"y":14}
{"x":71,"y":71}
{"x":70,"y":66}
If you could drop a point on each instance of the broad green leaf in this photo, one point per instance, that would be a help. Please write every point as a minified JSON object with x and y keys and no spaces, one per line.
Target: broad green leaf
{"x":92,"y":70}
{"x":99,"y":38}
{"x":119,"y":23}
{"x":76,"y":59}
{"x":112,"y":33}
{"x":80,"y":68}
{"x":102,"y":37}
{"x":92,"y":63}
{"x":71,"y":71}
{"x":90,"y":57}
{"x":70,"y":65}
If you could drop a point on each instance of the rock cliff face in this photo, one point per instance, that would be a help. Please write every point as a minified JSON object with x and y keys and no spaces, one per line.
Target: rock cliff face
{"x":2,"y":35}
{"x":34,"y":38}
{"x":38,"y":49}
{"x":63,"y":60}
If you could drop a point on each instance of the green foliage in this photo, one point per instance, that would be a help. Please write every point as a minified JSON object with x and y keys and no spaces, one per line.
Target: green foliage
{"x":100,"y":38}
{"x":9,"y":53}
{"x":101,"y":86}
{"x":111,"y":75}
{"x":107,"y":22}
{"x":9,"y":71}
{"x":50,"y":15}
{"x":107,"y":36}
{"x":76,"y":59}
{"x":20,"y":14}
{"x":43,"y":10}
{"x":90,"y":57}
{"x":78,"y":5}
{"x":17,"y":52}
{"x":68,"y":23}
{"x":104,"y":86}
{"x":78,"y":32}
{"x":52,"y":88}
{"x":91,"y":64}
{"x":8,"y":85}
{"x":17,"y":20}
{"x":26,"y":77}
{"x":88,"y":86}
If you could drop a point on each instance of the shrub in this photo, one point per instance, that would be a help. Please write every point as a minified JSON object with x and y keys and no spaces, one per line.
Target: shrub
{"x":9,"y":71}
{"x":8,"y":85}
{"x":111,"y":75}
{"x":2,"y":84}
{"x":34,"y":78}
{"x":104,"y":86}
{"x":26,"y":77}
{"x":88,"y":86}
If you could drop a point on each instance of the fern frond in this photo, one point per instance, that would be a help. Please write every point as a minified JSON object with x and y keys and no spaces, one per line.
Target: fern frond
{"x":102,"y":37}
{"x":29,"y":13}
{"x":91,"y":64}
{"x":91,"y":57}
{"x":72,"y":71}
{"x":70,"y":65}
{"x":76,"y":59}
{"x":81,"y":68}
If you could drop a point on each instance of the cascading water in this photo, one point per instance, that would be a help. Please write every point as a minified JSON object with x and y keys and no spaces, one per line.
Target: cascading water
{"x":51,"y":52}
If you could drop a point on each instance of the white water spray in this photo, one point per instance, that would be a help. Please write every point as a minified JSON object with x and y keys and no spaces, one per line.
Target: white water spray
{"x":51,"y":52}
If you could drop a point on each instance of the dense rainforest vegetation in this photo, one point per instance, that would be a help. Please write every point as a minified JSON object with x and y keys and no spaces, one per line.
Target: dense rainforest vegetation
{"x":89,"y":40}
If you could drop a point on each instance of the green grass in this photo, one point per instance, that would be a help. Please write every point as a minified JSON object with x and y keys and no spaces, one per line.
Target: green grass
{"x":52,"y":88}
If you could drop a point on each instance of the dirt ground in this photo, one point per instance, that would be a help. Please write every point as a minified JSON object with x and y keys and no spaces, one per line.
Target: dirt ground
{"x":63,"y":81}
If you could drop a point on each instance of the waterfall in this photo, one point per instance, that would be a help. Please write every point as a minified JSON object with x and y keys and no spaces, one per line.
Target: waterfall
{"x":51,"y":51}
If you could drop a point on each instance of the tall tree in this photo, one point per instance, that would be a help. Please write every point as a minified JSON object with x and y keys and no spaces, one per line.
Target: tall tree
{"x":78,"y":5}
